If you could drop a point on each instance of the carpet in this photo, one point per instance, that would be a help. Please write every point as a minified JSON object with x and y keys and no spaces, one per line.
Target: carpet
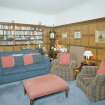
{"x":76,"y":97}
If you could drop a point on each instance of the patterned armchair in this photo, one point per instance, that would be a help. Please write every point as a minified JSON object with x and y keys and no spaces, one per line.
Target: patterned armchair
{"x":63,"y":66}
{"x":92,"y":81}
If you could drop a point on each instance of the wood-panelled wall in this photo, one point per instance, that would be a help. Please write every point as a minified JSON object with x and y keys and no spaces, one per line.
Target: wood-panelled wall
{"x":87,"y":29}
{"x":87,"y":40}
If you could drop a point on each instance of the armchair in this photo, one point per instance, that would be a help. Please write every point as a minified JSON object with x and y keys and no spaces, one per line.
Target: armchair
{"x":96,"y":89}
{"x":92,"y":81}
{"x":85,"y":76}
{"x":63,"y":66}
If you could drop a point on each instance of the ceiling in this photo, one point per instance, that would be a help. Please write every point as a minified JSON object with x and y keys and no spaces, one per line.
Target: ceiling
{"x":42,"y":6}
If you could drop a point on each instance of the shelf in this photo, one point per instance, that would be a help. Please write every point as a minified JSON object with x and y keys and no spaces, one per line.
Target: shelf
{"x":20,"y":33}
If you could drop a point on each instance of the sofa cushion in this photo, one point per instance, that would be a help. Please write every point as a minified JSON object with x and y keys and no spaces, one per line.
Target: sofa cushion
{"x":102,"y":65}
{"x":19,"y":60}
{"x":28,"y":59}
{"x":13,"y":70}
{"x":101,"y":69}
{"x":64,"y":58}
{"x":26,"y":68}
{"x":7,"y":61}
{"x":101,"y":72}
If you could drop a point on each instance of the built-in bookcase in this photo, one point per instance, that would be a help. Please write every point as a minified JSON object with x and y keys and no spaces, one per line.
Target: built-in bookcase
{"x":18,"y":34}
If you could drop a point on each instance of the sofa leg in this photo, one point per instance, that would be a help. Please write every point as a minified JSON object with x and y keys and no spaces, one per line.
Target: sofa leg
{"x":66,"y":92}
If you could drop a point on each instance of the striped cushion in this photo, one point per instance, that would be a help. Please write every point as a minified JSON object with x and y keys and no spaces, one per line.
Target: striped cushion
{"x":28,"y":59}
{"x":7,"y":61}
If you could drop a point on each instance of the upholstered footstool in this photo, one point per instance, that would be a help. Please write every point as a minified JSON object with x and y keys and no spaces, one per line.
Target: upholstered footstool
{"x":45,"y":85}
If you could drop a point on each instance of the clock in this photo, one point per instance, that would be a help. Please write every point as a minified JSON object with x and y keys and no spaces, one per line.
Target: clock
{"x":52,"y":34}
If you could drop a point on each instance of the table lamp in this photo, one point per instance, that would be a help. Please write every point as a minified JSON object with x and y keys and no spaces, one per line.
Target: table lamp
{"x":87,"y":54}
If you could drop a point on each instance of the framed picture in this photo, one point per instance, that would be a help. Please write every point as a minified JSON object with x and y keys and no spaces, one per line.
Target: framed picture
{"x":77,"y":35}
{"x":100,"y":37}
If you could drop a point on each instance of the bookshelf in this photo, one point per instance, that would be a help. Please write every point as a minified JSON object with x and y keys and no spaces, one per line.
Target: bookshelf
{"x":18,"y":34}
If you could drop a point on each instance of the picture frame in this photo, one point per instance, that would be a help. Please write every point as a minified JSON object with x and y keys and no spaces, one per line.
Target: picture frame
{"x":100,"y":37}
{"x":77,"y":35}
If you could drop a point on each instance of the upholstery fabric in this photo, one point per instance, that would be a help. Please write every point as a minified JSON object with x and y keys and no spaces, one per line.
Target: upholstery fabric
{"x":65,"y":71}
{"x":101,"y":72}
{"x":101,"y":69}
{"x":20,"y":71}
{"x":19,"y":60}
{"x":91,"y":83}
{"x":44,"y":85}
{"x":102,"y":65}
{"x":28,"y":59}
{"x":64,"y":58}
{"x":7,"y":61}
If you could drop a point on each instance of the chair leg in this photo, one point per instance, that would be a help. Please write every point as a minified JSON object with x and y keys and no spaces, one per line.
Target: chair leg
{"x":31,"y":102}
{"x":66,"y":92}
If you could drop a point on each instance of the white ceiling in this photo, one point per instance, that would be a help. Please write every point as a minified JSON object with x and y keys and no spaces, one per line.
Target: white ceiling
{"x":42,"y":6}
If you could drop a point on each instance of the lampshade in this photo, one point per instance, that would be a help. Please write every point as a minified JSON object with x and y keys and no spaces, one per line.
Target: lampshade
{"x":88,"y":54}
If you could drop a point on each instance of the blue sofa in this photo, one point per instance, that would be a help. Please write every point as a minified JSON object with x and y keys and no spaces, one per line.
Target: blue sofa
{"x":40,"y":66}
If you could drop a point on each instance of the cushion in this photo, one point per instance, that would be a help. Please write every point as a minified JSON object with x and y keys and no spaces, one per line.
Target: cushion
{"x":44,"y":85}
{"x":7,"y":61}
{"x":64,"y":58}
{"x":101,"y":71}
{"x":102,"y":65}
{"x":28,"y":59}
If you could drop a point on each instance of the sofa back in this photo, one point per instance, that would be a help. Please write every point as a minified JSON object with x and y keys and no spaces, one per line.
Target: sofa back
{"x":15,"y":60}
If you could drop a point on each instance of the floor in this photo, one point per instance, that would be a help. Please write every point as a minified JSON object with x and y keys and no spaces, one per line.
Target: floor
{"x":76,"y":97}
